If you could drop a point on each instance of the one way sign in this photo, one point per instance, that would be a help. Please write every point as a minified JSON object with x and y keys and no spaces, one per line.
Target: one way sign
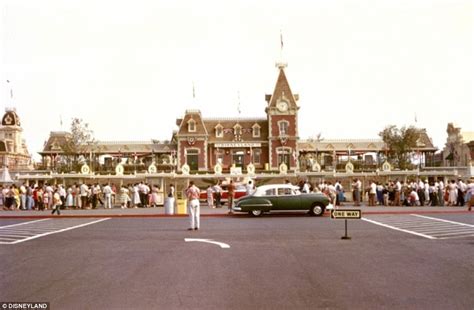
{"x":346,"y":214}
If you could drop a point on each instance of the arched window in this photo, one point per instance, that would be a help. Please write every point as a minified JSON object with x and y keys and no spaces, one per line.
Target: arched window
{"x":192,"y":125}
{"x":237,"y":130}
{"x":3,"y":147}
{"x":256,"y":131}
{"x":219,"y":131}
{"x":283,"y":127}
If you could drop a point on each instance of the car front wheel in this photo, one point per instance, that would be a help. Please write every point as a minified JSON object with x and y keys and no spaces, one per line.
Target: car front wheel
{"x":256,"y":213}
{"x":316,"y":210}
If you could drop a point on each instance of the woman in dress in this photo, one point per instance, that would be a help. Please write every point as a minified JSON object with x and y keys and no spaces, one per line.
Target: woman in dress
{"x":69,"y":198}
{"x":123,"y":197}
{"x":453,"y":193}
{"x":136,"y":196}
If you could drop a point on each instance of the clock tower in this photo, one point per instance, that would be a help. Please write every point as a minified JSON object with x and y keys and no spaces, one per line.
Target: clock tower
{"x":282,"y":113}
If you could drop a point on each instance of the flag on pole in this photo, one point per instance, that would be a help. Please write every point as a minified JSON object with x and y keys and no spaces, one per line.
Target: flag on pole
{"x":11,"y":90}
{"x":281,"y":39}
{"x":238,"y":103}
{"x":194,"y":92}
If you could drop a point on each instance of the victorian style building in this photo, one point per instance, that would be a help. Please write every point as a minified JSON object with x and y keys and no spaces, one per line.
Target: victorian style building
{"x":13,"y":150}
{"x":242,"y":144}
{"x":233,"y":145}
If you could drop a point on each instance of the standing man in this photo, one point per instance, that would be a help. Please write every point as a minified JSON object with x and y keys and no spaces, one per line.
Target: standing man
{"x":192,"y":194}
{"x":217,"y":189}
{"x":231,"y":195}
{"x":108,"y":196}
{"x":84,"y":189}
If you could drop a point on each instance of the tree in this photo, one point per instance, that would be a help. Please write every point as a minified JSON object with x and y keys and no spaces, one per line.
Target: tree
{"x":400,"y":143}
{"x":79,"y":142}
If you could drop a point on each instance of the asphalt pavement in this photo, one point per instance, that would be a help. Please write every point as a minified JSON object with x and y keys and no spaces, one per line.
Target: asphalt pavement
{"x":273,"y":262}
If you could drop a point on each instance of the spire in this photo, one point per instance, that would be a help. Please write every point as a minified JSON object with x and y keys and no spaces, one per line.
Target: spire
{"x":282,"y":90}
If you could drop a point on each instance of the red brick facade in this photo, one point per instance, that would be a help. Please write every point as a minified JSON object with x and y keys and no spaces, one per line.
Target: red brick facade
{"x":237,"y":142}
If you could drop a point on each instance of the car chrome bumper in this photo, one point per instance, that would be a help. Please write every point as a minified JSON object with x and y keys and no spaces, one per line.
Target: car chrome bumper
{"x":235,"y":208}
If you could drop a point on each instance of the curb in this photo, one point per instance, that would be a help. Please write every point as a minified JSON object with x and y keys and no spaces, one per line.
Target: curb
{"x":289,"y":214}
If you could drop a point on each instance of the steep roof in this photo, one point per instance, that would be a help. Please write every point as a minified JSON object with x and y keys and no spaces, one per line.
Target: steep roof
{"x":191,"y":115}
{"x":282,"y":89}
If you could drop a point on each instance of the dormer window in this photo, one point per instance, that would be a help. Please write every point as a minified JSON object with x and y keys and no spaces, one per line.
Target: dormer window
{"x":256,"y":131}
{"x":283,"y":128}
{"x":219,"y":131}
{"x":237,"y":130}
{"x":192,"y":125}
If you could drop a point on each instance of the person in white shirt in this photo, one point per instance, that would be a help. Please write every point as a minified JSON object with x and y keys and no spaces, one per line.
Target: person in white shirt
{"x":414,"y":199}
{"x":372,"y":192}
{"x":441,"y":193}
{"x":470,"y":194}
{"x":210,"y":197}
{"x":84,"y":193}
{"x":192,"y":194}
{"x":108,"y":196}
{"x":398,"y":191}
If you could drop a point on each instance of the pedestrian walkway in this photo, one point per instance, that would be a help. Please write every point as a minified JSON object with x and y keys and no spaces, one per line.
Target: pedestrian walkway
{"x":423,"y":226}
{"x":25,"y":231}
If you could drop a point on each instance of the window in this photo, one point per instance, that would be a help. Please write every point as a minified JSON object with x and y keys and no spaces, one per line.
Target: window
{"x":192,"y":158}
{"x":256,"y":131}
{"x":220,"y":157}
{"x":284,"y":156}
{"x":192,"y":125}
{"x":270,"y":192}
{"x":238,"y":158}
{"x":257,"y":154}
{"x":283,"y":127}
{"x":219,"y":131}
{"x":285,"y":192}
{"x":237,"y":130}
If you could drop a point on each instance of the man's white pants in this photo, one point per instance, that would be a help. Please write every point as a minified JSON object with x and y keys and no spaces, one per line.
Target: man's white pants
{"x":193,"y":210}
{"x":108,"y":201}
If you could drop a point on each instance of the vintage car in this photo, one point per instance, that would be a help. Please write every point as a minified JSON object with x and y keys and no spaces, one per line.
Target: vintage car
{"x":282,"y":197}
{"x":240,"y":191}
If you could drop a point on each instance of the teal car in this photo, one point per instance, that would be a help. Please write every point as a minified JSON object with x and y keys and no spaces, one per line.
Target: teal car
{"x":282,"y":197}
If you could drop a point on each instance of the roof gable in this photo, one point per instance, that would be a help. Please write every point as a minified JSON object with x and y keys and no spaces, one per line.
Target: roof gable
{"x":282,"y":91}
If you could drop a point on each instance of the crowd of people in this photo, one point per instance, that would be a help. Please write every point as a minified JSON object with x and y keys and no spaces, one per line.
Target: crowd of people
{"x":78,"y":196}
{"x":398,"y":193}
{"x":418,"y":192}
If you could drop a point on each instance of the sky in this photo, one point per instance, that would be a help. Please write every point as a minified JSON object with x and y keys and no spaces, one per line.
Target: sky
{"x":127,"y":68}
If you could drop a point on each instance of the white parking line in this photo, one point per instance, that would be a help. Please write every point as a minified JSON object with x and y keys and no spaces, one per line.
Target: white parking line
{"x":23,"y":223}
{"x":35,"y":236}
{"x":424,"y":226}
{"x":441,"y":220}
{"x":399,"y":229}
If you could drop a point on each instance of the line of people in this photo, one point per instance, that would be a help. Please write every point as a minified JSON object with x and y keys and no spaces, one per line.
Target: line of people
{"x":78,"y":196}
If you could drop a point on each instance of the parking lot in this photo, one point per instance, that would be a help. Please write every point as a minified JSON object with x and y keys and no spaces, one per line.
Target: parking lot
{"x":270,"y":262}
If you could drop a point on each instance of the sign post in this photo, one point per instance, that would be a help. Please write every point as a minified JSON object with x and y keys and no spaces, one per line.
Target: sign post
{"x":346,"y":214}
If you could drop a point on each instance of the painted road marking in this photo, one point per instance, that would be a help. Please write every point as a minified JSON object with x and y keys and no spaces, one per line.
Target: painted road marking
{"x":40,"y":228}
{"x":221,"y":244}
{"x":424,"y":226}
